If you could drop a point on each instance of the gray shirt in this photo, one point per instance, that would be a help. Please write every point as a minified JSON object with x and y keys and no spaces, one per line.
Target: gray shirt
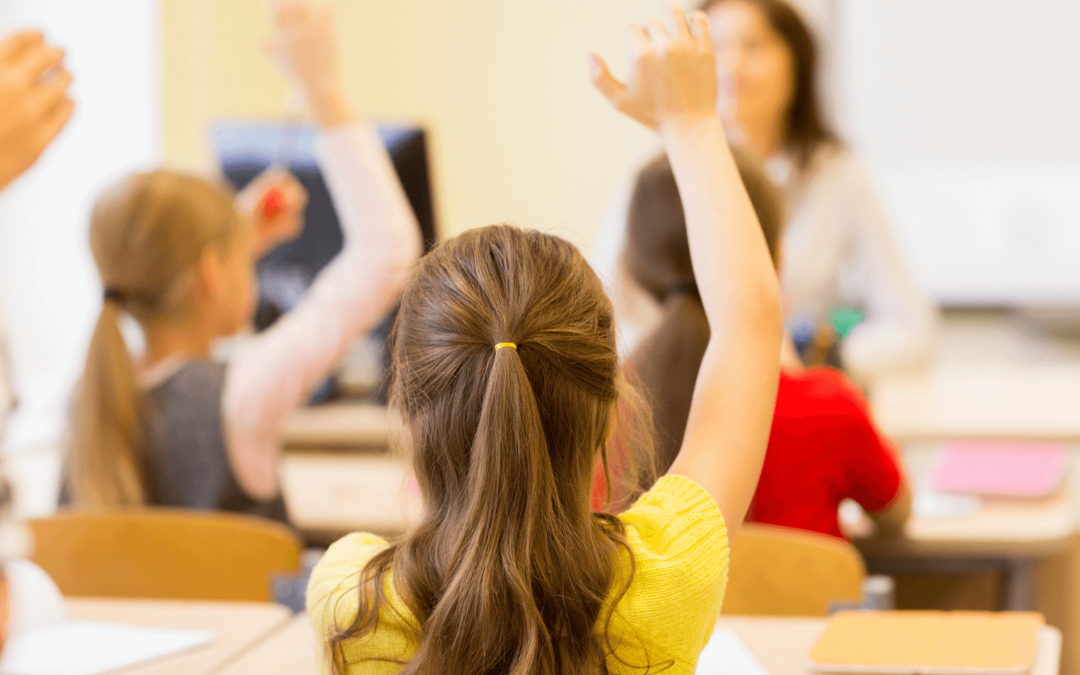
{"x":188,"y":463}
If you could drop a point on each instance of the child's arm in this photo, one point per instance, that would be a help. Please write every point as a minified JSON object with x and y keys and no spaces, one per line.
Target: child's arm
{"x":873,"y":465}
{"x":672,"y":89}
{"x":273,"y":373}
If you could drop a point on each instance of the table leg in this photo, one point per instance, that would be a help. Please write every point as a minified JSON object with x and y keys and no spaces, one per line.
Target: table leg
{"x":1019,"y":593}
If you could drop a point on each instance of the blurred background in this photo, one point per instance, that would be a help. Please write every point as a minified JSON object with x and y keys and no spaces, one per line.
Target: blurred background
{"x":965,"y":112}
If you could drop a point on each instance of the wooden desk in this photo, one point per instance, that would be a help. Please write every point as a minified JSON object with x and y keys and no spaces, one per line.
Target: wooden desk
{"x":290,"y":650}
{"x":781,"y":646}
{"x":339,"y":426}
{"x":1024,"y":401}
{"x":332,"y":494}
{"x":1006,"y":534}
{"x":1002,"y":528}
{"x":995,"y":375}
{"x":239,"y":626}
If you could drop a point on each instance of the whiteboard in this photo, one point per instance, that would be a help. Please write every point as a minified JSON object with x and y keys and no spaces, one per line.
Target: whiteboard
{"x":968,"y":113}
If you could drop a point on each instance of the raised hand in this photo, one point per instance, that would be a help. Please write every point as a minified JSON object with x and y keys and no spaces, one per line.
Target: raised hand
{"x":34,"y":103}
{"x":672,"y":89}
{"x":274,"y":202}
{"x":305,"y":49}
{"x":672,"y":72}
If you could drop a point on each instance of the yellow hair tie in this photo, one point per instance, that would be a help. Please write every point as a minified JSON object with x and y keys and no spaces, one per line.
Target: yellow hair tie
{"x":511,"y":345}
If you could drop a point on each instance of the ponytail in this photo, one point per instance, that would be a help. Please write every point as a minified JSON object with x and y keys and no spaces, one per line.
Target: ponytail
{"x":505,"y":546}
{"x":107,"y":465}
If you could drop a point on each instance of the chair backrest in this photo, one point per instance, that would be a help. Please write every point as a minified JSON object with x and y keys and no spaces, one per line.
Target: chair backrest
{"x":780,"y":571}
{"x":164,"y":553}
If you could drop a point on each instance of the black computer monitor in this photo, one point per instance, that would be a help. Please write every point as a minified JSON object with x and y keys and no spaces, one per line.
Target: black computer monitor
{"x":245,"y":149}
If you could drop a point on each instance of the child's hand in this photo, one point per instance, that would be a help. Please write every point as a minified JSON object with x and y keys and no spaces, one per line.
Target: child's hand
{"x":275,"y":203}
{"x":34,"y":103}
{"x":672,"y":72}
{"x":305,"y":48}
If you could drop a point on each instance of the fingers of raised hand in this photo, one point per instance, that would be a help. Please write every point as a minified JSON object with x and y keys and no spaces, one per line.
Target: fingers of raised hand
{"x":602,"y":79}
{"x":681,"y":33}
{"x":53,"y":91}
{"x":679,"y":28}
{"x":658,"y":36}
{"x":12,"y":47}
{"x":255,"y":191}
{"x":296,"y":196}
{"x":638,"y":43}
{"x":39,"y":60}
{"x":54,"y":120}
{"x":699,"y":24}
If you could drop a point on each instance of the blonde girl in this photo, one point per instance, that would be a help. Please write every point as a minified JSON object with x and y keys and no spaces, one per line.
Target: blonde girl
{"x":176,"y":254}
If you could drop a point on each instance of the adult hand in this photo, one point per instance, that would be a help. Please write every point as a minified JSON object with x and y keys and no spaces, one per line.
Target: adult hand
{"x":34,"y":102}
{"x":672,"y":72}
{"x":274,"y":202}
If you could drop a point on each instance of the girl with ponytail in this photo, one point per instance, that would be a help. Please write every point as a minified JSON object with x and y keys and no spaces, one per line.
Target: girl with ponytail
{"x":176,"y":254}
{"x":505,"y":374}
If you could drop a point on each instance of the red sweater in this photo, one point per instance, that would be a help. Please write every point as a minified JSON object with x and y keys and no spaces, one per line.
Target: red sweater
{"x":824,"y":448}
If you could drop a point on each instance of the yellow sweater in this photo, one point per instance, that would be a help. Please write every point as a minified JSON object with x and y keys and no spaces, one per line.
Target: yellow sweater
{"x":679,"y":543}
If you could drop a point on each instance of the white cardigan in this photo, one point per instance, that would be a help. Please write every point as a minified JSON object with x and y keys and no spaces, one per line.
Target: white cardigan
{"x":838,"y":248}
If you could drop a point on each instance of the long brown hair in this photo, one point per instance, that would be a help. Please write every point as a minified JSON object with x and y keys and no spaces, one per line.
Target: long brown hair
{"x":509,"y":570}
{"x":806,"y":126}
{"x":657,"y":257}
{"x":147,"y":234}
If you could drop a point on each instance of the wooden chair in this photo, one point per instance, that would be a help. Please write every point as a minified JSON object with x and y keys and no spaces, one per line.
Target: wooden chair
{"x":164,"y":553}
{"x":780,"y":571}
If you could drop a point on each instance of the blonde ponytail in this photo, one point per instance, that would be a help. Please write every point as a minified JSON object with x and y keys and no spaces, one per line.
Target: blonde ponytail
{"x":107,"y":466}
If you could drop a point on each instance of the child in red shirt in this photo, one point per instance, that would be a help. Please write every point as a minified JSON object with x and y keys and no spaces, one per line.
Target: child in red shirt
{"x":824,"y":447}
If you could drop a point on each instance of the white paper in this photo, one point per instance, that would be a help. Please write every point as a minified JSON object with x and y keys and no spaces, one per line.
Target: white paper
{"x":93,"y":647}
{"x":727,"y":655}
{"x":34,"y":601}
{"x":931,"y":504}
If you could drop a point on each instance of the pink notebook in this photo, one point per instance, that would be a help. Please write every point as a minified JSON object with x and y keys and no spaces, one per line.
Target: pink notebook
{"x":1005,"y":469}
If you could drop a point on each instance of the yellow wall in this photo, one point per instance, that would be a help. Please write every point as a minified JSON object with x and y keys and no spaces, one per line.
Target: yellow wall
{"x":518,"y":133}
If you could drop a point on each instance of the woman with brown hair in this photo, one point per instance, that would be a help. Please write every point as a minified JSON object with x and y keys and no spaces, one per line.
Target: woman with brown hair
{"x":838,"y":244}
{"x":505,"y":373}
